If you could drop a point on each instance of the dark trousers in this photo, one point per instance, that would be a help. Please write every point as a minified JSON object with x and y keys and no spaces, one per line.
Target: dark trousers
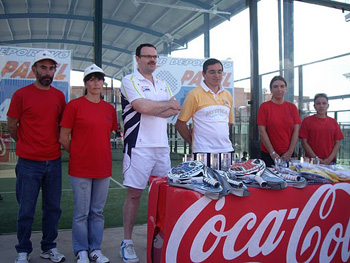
{"x":31,"y":176}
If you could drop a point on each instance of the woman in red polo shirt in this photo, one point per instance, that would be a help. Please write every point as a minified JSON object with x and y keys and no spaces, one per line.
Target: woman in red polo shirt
{"x":86,"y":126}
{"x":278,"y":124}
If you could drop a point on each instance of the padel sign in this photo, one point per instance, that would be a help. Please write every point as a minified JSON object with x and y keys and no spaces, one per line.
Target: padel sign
{"x":16,"y":72}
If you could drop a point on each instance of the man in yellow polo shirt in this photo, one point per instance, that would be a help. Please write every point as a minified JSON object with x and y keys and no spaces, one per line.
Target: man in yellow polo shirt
{"x":210,"y":107}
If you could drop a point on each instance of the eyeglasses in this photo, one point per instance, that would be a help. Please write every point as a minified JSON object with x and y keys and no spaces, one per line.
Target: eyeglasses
{"x":149,"y":56}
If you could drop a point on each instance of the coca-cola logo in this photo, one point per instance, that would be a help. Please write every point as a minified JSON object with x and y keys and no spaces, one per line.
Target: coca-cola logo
{"x":325,"y":239}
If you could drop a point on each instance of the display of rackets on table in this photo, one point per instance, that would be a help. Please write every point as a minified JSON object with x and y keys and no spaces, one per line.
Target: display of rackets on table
{"x":191,"y":172}
{"x":192,"y":175}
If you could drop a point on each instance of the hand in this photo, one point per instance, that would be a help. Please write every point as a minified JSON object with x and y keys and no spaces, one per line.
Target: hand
{"x":174,"y":104}
{"x":274,"y":156}
{"x":172,"y":112}
{"x":325,"y":161}
{"x":287,"y":155}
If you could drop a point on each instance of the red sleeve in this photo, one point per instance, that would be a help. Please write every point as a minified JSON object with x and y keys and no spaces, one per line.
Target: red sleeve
{"x":63,"y":106}
{"x":338,"y":133}
{"x":15,"y":109}
{"x":115,"y":120}
{"x":297,"y":119}
{"x":262,"y":115}
{"x":69,"y":116}
{"x":303,"y":129}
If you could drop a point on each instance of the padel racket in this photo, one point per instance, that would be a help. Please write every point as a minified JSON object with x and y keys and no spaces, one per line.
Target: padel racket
{"x":193,"y":175}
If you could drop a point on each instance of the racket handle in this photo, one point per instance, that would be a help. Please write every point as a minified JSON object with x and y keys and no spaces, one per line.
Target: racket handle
{"x":194,"y":180}
{"x":211,"y":182}
{"x":291,"y":177}
{"x":261,"y":181}
{"x":232,"y":182}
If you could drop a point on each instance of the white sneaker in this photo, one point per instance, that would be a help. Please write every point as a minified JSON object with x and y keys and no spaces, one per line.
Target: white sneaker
{"x":97,"y":256}
{"x":22,"y":257}
{"x":127,"y":252}
{"x":83,"y":257}
{"x":53,"y":255}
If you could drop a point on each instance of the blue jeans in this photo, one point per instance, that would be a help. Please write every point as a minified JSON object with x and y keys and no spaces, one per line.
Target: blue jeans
{"x":31,"y":176}
{"x":90,"y":197}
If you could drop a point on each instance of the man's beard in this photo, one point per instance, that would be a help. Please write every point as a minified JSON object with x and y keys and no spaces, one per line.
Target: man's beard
{"x":45,"y":80}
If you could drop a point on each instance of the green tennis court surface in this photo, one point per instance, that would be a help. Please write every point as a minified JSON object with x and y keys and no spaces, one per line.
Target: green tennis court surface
{"x":112,"y":211}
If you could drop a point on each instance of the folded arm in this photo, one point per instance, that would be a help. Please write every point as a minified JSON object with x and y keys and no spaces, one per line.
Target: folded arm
{"x":162,"y":109}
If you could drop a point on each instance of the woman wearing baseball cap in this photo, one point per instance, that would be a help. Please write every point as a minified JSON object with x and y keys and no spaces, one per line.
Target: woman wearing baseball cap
{"x":85,"y":133}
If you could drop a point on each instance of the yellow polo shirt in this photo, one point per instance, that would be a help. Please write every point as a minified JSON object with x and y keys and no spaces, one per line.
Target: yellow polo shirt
{"x":211,"y":114}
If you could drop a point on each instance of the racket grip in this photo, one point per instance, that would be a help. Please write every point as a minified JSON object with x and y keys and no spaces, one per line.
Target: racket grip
{"x":211,"y":182}
{"x":237,"y":184}
{"x":291,"y":177}
{"x":261,"y":181}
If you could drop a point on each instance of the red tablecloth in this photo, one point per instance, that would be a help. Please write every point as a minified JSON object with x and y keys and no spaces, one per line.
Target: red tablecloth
{"x":289,"y":225}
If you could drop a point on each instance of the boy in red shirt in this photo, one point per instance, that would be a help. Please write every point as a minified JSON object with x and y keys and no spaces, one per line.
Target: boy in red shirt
{"x":321,"y":135}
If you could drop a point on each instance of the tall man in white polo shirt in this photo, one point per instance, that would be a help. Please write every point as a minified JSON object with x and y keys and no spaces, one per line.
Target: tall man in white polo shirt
{"x":147,"y":102}
{"x":210,"y":107}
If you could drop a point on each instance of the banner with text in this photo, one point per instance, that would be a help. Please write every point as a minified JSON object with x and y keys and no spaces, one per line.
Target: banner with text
{"x":290,"y":225}
{"x":16,"y":72}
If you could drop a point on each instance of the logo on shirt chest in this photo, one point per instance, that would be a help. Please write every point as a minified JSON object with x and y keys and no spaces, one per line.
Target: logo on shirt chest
{"x":145,"y":88}
{"x":217,"y":113}
{"x":108,"y":119}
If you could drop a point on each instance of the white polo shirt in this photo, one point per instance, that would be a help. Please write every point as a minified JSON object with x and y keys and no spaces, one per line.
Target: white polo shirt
{"x":142,"y":130}
{"x":211,"y":114}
